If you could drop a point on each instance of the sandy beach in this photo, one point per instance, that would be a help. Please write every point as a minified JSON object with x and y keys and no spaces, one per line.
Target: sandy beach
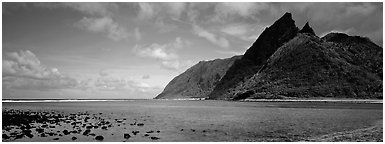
{"x":187,"y":121}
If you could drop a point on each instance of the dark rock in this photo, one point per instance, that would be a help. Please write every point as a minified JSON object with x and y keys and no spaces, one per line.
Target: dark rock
{"x":29,"y":135}
{"x":27,"y":131}
{"x":51,"y":134}
{"x":154,"y":138}
{"x":135,"y":132}
{"x":5,"y":136}
{"x":307,"y":29}
{"x":126,"y":136}
{"x":140,"y":124}
{"x":56,"y":139}
{"x":99,"y":138}
{"x":66,"y":132}
{"x":150,"y":131}
{"x":86,"y":132}
{"x":146,"y":135}
{"x":104,"y":127}
{"x":92,"y":134}
{"x":158,"y":131}
{"x":39,"y":130}
{"x":43,"y":135}
{"x":19,"y":136}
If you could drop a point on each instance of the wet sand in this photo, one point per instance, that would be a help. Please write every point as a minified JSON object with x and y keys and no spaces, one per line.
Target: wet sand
{"x":209,"y":121}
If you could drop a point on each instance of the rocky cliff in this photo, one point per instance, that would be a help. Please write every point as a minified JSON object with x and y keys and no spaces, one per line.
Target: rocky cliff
{"x":197,"y":81}
{"x":308,"y":66}
{"x":285,"y":62}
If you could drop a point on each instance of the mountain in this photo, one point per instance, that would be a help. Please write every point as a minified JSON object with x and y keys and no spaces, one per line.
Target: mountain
{"x":285,"y":62}
{"x":197,"y":81}
{"x":336,"y":66}
{"x":255,"y":57}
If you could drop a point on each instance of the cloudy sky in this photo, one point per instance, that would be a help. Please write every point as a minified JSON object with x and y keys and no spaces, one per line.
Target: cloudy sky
{"x":132,"y":50}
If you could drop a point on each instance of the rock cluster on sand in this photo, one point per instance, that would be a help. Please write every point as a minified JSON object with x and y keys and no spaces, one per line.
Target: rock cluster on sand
{"x":18,"y":124}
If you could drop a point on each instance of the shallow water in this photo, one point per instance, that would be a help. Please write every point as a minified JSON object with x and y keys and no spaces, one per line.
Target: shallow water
{"x":212,"y":120}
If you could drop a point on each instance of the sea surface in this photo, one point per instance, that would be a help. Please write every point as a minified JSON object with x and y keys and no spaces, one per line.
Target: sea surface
{"x":208,"y":121}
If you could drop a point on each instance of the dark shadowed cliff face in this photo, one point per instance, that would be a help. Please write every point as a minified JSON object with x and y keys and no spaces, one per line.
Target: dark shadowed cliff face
{"x":255,"y":57}
{"x":338,"y":66}
{"x":197,"y":81}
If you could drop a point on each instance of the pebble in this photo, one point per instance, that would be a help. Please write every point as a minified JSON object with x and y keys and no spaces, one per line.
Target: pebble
{"x":135,"y":132}
{"x":126,"y":136}
{"x":5,"y":136}
{"x":154,"y":138}
{"x":140,"y":124}
{"x":99,"y":138}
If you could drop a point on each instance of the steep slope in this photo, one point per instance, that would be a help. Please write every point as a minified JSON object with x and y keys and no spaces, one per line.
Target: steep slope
{"x":337,"y":65}
{"x":255,"y":57}
{"x":197,"y":81}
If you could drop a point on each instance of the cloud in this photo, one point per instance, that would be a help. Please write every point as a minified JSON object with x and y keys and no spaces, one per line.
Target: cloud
{"x":164,"y":52}
{"x":90,"y":8}
{"x":23,"y":70}
{"x":168,"y":9}
{"x":243,"y":9}
{"x":146,"y":10}
{"x":103,"y":25}
{"x":243,"y":31}
{"x":146,"y":76}
{"x":176,"y":65}
{"x":175,"y":8}
{"x":155,"y":51}
{"x":26,"y":64}
{"x":108,"y":83}
{"x":103,"y":73}
{"x":219,"y":41}
{"x":161,"y":51}
{"x":138,"y":35}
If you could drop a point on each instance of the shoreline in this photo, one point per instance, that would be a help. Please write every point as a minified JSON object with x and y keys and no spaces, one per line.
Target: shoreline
{"x":374,"y":101}
{"x":370,"y":101}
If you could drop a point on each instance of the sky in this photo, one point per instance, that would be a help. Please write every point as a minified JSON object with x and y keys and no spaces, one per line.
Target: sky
{"x":132,"y":50}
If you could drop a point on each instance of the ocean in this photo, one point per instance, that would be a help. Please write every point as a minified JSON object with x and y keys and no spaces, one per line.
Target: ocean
{"x":190,"y":121}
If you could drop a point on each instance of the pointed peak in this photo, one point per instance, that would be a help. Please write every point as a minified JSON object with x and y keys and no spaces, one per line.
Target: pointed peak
{"x":285,"y":21}
{"x":285,"y":17}
{"x":307,"y":29}
{"x":287,"y":14}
